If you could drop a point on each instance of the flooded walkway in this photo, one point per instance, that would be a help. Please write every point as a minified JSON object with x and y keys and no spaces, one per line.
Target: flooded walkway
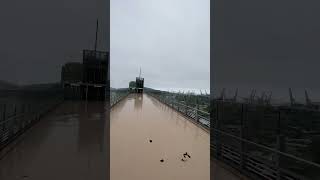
{"x":68,"y":143}
{"x":140,"y":118}
{"x":71,"y":143}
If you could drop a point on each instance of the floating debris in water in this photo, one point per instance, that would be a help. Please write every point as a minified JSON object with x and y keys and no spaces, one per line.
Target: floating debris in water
{"x":186,"y":154}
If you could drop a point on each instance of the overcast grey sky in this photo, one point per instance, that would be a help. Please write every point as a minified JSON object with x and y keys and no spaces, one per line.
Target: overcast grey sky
{"x":38,"y":36}
{"x":267,"y":45}
{"x":168,"y":39}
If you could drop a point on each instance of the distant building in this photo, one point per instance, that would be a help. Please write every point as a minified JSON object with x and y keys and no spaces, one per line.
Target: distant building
{"x":139,"y":84}
{"x":96,"y":73}
{"x":88,"y":80}
{"x":95,"y":65}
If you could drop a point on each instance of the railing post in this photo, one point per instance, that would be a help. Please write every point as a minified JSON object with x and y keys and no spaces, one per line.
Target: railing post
{"x":279,"y":145}
{"x":23,"y":116}
{"x":87,"y":93}
{"x":242,"y":149}
{"x":218,"y":135}
{"x":197,"y":109}
{"x":30,"y":114}
{"x":15,"y":116}
{"x":186,"y":110}
{"x":4,"y":118}
{"x":4,"y":112}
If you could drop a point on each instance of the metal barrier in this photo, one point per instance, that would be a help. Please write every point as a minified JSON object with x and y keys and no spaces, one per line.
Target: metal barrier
{"x":116,"y":95}
{"x":257,"y":140}
{"x":20,"y":109}
{"x":194,"y":113}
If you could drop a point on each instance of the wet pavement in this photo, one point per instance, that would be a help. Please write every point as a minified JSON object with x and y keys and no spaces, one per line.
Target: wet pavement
{"x":147,"y":139}
{"x":140,"y":118}
{"x":68,"y":143}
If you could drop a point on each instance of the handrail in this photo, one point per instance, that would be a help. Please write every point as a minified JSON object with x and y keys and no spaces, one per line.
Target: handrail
{"x":197,"y":115}
{"x":245,"y":148}
{"x":13,"y":117}
{"x":189,"y":107}
{"x":18,"y":116}
{"x":119,"y":95}
{"x":268,"y":148}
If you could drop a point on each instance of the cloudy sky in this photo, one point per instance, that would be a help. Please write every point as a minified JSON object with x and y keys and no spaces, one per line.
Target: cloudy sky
{"x":168,"y":39}
{"x":38,"y":36}
{"x":267,"y":45}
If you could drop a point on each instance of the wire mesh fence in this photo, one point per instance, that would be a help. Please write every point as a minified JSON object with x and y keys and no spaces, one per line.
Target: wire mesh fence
{"x":19,"y":109}
{"x":196,"y":107}
{"x":116,"y":95}
{"x":266,"y":142}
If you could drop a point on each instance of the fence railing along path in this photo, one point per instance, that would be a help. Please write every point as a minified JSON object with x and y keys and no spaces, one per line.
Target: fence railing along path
{"x":257,"y":160}
{"x":19,"y":110}
{"x":200,"y":117}
{"x":117,"y":95}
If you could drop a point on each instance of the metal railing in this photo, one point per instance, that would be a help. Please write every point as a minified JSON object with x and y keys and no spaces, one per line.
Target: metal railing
{"x":193,"y":112}
{"x":116,"y":95}
{"x":20,"y":109}
{"x":257,"y":140}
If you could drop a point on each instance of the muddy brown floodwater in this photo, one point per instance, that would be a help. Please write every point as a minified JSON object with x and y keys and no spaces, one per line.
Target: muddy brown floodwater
{"x":140,"y":118}
{"x":71,"y":142}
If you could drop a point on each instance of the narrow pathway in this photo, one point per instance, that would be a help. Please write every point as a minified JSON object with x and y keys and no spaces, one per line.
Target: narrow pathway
{"x":141,"y":118}
{"x":68,"y":143}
